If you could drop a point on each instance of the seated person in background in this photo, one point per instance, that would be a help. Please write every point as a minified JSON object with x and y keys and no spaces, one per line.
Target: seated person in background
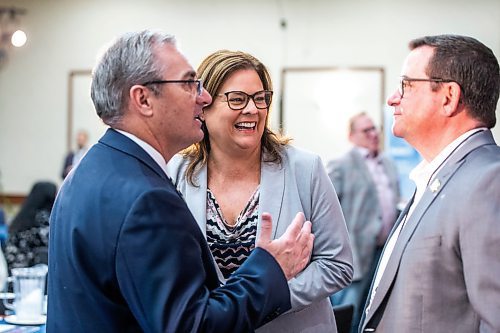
{"x":73,"y":157}
{"x":241,"y":169}
{"x":27,"y":242}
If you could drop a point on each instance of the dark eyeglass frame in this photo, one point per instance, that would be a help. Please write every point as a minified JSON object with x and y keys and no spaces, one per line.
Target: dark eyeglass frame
{"x":248,"y":97}
{"x":369,"y":130}
{"x":199,"y":88}
{"x":411,"y":79}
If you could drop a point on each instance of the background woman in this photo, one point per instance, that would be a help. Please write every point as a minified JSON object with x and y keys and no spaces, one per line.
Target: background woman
{"x":27,"y":243}
{"x":241,"y":169}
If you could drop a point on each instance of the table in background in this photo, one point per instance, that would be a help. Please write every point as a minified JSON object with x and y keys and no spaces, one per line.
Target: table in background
{"x":20,"y":328}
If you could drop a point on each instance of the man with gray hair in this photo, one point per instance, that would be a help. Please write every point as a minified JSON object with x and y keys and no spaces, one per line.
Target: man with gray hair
{"x":126,"y":255}
{"x":440,"y":268}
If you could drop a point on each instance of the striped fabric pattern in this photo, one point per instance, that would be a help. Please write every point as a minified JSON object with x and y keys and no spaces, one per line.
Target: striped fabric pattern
{"x":231,"y":245}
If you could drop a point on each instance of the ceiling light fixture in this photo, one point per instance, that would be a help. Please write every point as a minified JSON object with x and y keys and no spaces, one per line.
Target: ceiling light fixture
{"x":10,"y":33}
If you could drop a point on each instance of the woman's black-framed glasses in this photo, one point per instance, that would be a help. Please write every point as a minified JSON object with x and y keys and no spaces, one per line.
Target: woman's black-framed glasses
{"x":238,"y":100}
{"x":199,"y":87}
{"x":404,"y":81}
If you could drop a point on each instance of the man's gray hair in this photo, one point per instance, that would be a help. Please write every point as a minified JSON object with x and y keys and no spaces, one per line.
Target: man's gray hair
{"x":130,"y":60}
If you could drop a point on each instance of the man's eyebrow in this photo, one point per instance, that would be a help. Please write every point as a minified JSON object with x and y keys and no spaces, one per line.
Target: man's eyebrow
{"x":190,"y":75}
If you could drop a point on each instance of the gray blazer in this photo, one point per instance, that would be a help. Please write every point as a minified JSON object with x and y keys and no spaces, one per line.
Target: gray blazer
{"x":444,"y":272}
{"x":299,"y":184}
{"x":359,"y":200}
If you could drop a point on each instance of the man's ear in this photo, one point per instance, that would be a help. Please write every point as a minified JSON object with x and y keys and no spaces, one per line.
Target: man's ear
{"x":451,"y":98}
{"x":141,"y":100}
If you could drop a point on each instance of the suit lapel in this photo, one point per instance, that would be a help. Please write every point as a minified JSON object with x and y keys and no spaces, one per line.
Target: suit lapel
{"x":406,"y":233}
{"x":120,"y":142}
{"x":272,"y":189}
{"x":379,"y":296}
{"x":437,"y":184}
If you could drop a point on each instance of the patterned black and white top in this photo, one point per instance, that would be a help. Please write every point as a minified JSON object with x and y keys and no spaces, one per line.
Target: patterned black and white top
{"x":29,"y":247}
{"x":231,"y":245}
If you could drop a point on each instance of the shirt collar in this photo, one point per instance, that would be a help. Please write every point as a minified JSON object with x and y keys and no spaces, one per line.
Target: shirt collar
{"x":155,"y":155}
{"x":424,"y":170}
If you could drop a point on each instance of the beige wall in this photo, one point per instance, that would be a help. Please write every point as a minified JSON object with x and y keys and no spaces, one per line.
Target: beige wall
{"x":66,"y":35}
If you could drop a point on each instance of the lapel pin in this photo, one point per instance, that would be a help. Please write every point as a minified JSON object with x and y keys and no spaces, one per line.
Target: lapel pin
{"x":435,"y":185}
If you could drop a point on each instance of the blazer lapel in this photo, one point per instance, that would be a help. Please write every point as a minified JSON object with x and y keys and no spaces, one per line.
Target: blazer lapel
{"x":404,"y":237}
{"x":437,"y":183}
{"x":196,"y":198}
{"x":381,"y":291}
{"x":272,"y":189}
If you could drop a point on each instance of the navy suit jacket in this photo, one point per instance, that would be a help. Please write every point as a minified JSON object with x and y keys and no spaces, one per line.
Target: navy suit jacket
{"x":126,"y":255}
{"x":68,"y":160}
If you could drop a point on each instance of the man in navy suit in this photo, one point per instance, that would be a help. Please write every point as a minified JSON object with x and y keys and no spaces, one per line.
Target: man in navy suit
{"x":74,"y":157}
{"x":126,"y":255}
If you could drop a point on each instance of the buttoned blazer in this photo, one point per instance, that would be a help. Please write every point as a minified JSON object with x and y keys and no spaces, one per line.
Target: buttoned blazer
{"x":443,"y":274}
{"x":300,"y":183}
{"x":126,"y":255}
{"x":358,"y":197}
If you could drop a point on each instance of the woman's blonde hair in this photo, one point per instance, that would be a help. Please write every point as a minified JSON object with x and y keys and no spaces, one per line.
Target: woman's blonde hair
{"x":214,"y":71}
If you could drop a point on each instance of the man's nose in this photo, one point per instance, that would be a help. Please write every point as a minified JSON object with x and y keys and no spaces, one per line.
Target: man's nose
{"x":394,"y":99}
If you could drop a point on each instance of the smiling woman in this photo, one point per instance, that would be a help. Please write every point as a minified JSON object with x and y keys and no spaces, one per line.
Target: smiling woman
{"x":240,"y":170}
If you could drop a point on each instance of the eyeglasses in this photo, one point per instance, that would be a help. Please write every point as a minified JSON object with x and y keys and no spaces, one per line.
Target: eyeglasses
{"x":368,"y":130}
{"x":238,"y":100}
{"x":199,"y":88}
{"x":404,"y":82}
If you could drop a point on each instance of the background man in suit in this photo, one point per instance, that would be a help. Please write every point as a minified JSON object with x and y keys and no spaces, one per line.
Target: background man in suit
{"x":73,"y":158}
{"x":367,"y":185}
{"x":126,"y":255}
{"x":440,"y":267}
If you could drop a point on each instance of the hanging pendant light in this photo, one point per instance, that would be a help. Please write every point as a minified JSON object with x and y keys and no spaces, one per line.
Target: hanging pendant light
{"x":18,"y":38}
{"x":10,"y":33}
